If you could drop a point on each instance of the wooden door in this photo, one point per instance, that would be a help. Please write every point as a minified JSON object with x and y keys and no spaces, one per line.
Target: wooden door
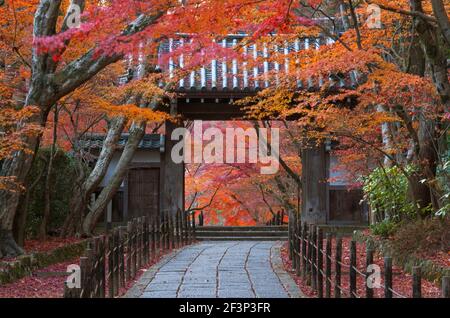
{"x":143,"y":192}
{"x":345,"y":206}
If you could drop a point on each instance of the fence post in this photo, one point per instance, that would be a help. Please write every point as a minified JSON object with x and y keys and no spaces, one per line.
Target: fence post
{"x":144,"y":240}
{"x":121,"y":257}
{"x":162,"y":229}
{"x":338,"y":259}
{"x":96,"y":268}
{"x":89,"y":253}
{"x":314,"y":258}
{"x":150,"y":239}
{"x":173,"y":231}
{"x":158,"y":231}
{"x":129,"y":249}
{"x":297,"y":246}
{"x":84,"y":264}
{"x":309,"y":264}
{"x":68,"y":292}
{"x":102,"y":272}
{"x":181,"y":225}
{"x":177,"y":229}
{"x":290,"y":237}
{"x":116,"y":268}
{"x":388,"y":277}
{"x":186,"y":227}
{"x":110,"y":265}
{"x":135,"y":247}
{"x":139,"y":243}
{"x":369,"y":262}
{"x":194,"y":234}
{"x":417,"y":282}
{"x":292,"y":234}
{"x":166,"y":231}
{"x":328,"y":267}
{"x":189,"y":228}
{"x":154,"y":238}
{"x":446,"y":287}
{"x":304,"y":259}
{"x":201,"y":219}
{"x":352,"y":269}
{"x":320,"y":262}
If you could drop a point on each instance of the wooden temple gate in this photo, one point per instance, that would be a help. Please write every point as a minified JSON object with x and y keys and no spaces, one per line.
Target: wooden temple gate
{"x":209,"y":94}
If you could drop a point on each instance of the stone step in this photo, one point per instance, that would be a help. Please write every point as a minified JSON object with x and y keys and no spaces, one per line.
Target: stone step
{"x":241,"y":233}
{"x":242,"y":238}
{"x":242,"y":228}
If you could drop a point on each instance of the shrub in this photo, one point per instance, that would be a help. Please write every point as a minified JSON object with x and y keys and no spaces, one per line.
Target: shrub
{"x":422,"y":236}
{"x":62,"y":180}
{"x":385,"y":228}
{"x":386,"y":190}
{"x":443,"y":178}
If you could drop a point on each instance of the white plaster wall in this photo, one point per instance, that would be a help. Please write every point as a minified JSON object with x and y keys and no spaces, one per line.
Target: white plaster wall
{"x":336,"y":174}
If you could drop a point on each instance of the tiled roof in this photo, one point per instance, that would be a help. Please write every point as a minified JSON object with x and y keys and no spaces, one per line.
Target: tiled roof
{"x":149,"y":142}
{"x":222,"y":75}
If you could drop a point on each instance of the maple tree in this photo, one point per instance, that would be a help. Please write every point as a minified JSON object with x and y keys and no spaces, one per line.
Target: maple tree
{"x":237,"y":193}
{"x":395,"y":112}
{"x":61,"y":60}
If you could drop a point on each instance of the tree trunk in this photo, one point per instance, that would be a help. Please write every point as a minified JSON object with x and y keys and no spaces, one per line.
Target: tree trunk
{"x":435,"y":51}
{"x":137,"y":132}
{"x":84,"y":189}
{"x":47,"y":86}
{"x":47,"y":188}
{"x":442,"y":18}
{"x":17,"y":167}
{"x":20,"y":220}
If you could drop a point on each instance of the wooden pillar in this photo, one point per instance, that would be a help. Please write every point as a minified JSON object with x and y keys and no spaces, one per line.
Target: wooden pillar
{"x":172,"y":194}
{"x":315,"y":164}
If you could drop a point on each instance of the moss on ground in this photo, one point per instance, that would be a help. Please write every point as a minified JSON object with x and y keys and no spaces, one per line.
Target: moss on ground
{"x":24,"y":265}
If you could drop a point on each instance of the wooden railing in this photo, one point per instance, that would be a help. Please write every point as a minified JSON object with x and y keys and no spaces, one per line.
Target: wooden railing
{"x":277,"y":219}
{"x":307,"y":253}
{"x":114,"y":259}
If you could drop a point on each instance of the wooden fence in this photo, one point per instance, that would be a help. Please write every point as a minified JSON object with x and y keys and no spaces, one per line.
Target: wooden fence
{"x":114,"y":259}
{"x":315,"y":265}
{"x":277,"y":219}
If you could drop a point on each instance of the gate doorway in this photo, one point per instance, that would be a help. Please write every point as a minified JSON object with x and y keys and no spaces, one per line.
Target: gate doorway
{"x":143,"y":192}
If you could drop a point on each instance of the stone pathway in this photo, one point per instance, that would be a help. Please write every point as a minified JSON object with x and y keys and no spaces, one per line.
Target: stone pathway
{"x":229,"y":269}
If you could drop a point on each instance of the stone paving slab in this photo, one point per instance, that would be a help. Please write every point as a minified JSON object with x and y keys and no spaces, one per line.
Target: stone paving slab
{"x":228,"y":269}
